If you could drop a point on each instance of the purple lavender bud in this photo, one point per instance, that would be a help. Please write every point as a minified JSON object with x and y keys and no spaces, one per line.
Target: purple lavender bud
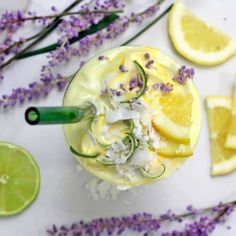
{"x":133,"y":83}
{"x":61,"y":84}
{"x":119,"y":93}
{"x":53,"y":8}
{"x":166,"y":88}
{"x":149,"y":64}
{"x":54,"y":228}
{"x":116,"y":92}
{"x":102,"y":58}
{"x":147,"y":56}
{"x":104,"y":92}
{"x":155,"y":86}
{"x":123,"y":87}
{"x":140,"y":82}
{"x":122,"y":68}
{"x":73,"y":226}
{"x":184,"y":74}
{"x":189,"y":208}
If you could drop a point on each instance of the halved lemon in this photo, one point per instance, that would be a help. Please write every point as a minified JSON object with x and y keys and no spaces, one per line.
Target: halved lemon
{"x":197,"y":41}
{"x":219,"y":113}
{"x":173,"y":120}
{"x":231,"y":136}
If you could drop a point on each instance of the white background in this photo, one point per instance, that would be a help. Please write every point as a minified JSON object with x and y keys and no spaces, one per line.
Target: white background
{"x":63,"y":198}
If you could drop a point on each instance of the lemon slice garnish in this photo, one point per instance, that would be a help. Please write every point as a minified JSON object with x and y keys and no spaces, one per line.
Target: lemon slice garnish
{"x":197,"y":41}
{"x":219,"y":114}
{"x":231,"y":136}
{"x":173,"y":120}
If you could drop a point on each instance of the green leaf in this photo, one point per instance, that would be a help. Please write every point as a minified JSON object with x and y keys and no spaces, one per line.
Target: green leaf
{"x":107,"y":20}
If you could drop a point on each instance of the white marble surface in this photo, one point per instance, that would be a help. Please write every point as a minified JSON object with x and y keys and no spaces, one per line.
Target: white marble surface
{"x":62,"y":198}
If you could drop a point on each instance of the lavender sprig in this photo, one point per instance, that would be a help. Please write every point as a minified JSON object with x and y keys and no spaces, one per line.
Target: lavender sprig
{"x":145,"y":223}
{"x":8,"y":23}
{"x":36,"y":37}
{"x":69,"y":28}
{"x":4,"y":48}
{"x":67,"y":51}
{"x":34,"y":91}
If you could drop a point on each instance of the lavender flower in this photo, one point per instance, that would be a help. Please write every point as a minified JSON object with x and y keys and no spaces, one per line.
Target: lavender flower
{"x":102,"y":58}
{"x":135,"y":82}
{"x":123,"y":87}
{"x":184,"y":74}
{"x":146,"y":224}
{"x":11,"y":16}
{"x":156,"y":86}
{"x":166,"y":88}
{"x":149,"y":12}
{"x":149,"y":64}
{"x":147,"y":56}
{"x":122,"y":68}
{"x":116,"y":92}
{"x":54,"y":9}
{"x":139,"y":223}
{"x":35,"y":91}
{"x":104,"y":92}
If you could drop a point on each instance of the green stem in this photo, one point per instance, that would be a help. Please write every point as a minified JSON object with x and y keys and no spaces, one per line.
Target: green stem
{"x":107,"y":20}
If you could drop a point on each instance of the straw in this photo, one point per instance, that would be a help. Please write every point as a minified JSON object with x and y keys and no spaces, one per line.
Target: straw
{"x":57,"y":115}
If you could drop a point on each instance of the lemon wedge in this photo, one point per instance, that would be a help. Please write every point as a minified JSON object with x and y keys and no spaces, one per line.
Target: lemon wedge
{"x":173,"y":120}
{"x":219,"y":114}
{"x":169,"y":148}
{"x":231,"y":136}
{"x":197,"y":41}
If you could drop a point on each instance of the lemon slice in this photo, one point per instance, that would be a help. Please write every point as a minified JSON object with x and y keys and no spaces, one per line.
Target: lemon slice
{"x":231,"y":136}
{"x":219,"y":113}
{"x":196,"y":40}
{"x":169,"y":148}
{"x":173,"y":120}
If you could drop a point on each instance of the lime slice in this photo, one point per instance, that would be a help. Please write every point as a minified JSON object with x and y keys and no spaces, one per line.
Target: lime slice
{"x":19,"y":179}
